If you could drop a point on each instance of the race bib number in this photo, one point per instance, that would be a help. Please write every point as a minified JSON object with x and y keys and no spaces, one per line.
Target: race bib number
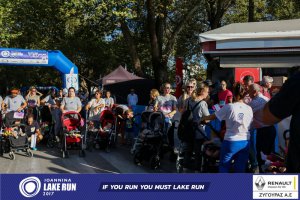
{"x":18,"y":115}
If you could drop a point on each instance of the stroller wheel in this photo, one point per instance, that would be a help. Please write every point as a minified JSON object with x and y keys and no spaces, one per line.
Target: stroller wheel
{"x":137,"y":158}
{"x":29,"y":153}
{"x":154,"y":162}
{"x":81,"y":153}
{"x":107,"y":148}
{"x":65,"y":154}
{"x":89,"y":146}
{"x":12,"y":155}
{"x":50,"y":143}
{"x":179,"y":166}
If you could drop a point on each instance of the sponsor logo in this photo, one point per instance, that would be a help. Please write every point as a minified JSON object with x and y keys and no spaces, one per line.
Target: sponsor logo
{"x":275,"y":187}
{"x":29,"y":187}
{"x":5,"y":54}
{"x":260,"y":183}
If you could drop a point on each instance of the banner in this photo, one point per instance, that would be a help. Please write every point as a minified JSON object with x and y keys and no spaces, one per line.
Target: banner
{"x":23,"y":57}
{"x":240,"y":73}
{"x":148,"y":186}
{"x":179,"y":77}
{"x":72,"y":81}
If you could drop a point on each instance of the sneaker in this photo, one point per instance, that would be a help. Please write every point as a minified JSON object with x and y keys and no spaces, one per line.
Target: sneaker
{"x":132,"y":151}
{"x":34,"y":148}
{"x":57,"y":139}
{"x":255,"y":170}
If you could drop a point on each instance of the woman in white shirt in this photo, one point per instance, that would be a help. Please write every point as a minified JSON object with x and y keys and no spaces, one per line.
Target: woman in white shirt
{"x":238,"y":117}
{"x":109,"y":101}
{"x":96,"y":106}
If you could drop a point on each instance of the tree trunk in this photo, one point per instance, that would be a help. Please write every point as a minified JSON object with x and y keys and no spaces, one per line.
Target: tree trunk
{"x":132,"y":48}
{"x":251,"y":11}
{"x":215,"y":12}
{"x":160,"y":71}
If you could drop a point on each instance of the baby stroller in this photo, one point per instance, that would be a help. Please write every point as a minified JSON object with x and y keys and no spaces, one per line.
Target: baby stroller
{"x":72,"y":138}
{"x":209,"y":154}
{"x":105,"y":136}
{"x":13,"y":136}
{"x":148,"y":145}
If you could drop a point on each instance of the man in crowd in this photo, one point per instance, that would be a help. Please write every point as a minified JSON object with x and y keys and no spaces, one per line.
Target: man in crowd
{"x":267,"y":82}
{"x":132,"y":98}
{"x":265,"y":136}
{"x":284,"y":104}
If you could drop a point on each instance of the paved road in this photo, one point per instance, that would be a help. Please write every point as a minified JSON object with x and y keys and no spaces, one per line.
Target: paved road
{"x":47,"y":160}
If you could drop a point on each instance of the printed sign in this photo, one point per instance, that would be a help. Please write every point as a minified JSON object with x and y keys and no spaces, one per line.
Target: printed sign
{"x":23,"y":57}
{"x":72,"y":81}
{"x":240,"y":73}
{"x":275,"y":187}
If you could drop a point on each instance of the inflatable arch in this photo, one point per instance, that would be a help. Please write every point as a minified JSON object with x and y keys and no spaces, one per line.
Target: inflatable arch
{"x":42,"y":58}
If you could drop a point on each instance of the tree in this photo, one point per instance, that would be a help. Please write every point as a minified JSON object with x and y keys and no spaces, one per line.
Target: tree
{"x":251,"y":11}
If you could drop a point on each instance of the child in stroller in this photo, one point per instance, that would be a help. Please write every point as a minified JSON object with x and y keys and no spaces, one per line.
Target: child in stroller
{"x":106,"y":136}
{"x":148,"y":145}
{"x":210,"y":153}
{"x":13,"y":136}
{"x":72,"y":137}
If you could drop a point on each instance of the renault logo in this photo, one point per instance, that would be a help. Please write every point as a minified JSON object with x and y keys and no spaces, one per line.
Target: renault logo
{"x":260,"y":183}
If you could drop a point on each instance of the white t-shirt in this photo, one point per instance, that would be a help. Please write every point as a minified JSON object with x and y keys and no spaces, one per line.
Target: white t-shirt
{"x":71,"y":104}
{"x":95,"y":113}
{"x":109,"y":101}
{"x":32,"y":100}
{"x":14,"y":103}
{"x":238,"y":117}
{"x":49,"y":100}
{"x":167,"y":103}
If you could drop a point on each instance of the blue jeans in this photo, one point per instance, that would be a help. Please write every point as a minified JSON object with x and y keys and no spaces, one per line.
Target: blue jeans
{"x":237,"y":151}
{"x":252,"y":149}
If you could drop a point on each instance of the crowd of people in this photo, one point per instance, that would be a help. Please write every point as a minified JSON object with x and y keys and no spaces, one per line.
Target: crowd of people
{"x":247,"y":112}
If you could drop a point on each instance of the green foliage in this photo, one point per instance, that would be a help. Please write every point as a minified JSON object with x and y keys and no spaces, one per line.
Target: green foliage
{"x":89,"y":32}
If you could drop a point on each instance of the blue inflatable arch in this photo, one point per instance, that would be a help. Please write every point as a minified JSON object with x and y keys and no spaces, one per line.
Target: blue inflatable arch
{"x":42,"y":58}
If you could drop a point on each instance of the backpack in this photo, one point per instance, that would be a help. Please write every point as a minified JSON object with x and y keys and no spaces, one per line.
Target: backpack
{"x":186,"y":124}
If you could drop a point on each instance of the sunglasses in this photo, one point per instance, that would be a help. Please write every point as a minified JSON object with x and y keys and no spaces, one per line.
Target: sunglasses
{"x":189,"y":86}
{"x":33,"y":90}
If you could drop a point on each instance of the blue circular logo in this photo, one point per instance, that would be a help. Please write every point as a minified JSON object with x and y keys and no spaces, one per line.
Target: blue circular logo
{"x":29,"y":187}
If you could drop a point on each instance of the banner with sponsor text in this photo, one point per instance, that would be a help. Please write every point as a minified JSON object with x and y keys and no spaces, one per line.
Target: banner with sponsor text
{"x":148,"y":186}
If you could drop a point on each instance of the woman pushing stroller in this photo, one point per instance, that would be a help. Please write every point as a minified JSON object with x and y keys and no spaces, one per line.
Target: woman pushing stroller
{"x":96,"y":106}
{"x":71,"y":102}
{"x":14,"y":102}
{"x":197,"y":105}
